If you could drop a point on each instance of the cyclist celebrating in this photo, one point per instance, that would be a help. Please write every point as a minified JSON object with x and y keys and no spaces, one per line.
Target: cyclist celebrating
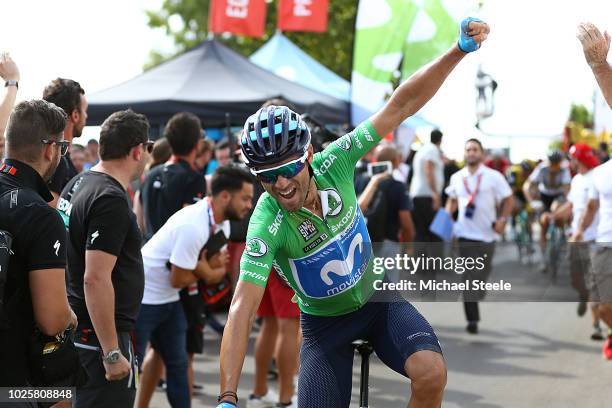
{"x":553,"y":182}
{"x":309,"y":226}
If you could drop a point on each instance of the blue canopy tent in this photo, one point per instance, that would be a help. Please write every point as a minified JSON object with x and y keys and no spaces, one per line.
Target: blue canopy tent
{"x":287,"y":60}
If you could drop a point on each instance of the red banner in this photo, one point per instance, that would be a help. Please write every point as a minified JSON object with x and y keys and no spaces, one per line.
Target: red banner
{"x":302,"y":15}
{"x":243,"y":17}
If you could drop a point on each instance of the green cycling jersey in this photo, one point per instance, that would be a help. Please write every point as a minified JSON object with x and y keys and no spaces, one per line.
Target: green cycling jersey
{"x":327,"y":262}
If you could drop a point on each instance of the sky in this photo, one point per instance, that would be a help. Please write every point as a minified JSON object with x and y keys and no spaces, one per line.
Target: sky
{"x":532,"y":52}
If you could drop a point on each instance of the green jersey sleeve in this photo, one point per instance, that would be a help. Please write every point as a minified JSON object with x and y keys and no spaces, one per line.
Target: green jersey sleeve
{"x":261,"y":242}
{"x":345,"y":152}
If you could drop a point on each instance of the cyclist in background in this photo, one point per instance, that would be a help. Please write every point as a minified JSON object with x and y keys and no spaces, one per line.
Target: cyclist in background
{"x":553,"y":183}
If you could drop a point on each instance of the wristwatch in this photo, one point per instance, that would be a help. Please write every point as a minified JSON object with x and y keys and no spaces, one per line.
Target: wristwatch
{"x":12,"y":82}
{"x":112,"y":356}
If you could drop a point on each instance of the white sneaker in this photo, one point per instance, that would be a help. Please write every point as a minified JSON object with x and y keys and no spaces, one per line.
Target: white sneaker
{"x":265,"y":401}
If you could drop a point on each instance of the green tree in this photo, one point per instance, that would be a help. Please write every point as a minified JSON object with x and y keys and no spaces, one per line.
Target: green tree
{"x":333,"y":48}
{"x":580,"y":114}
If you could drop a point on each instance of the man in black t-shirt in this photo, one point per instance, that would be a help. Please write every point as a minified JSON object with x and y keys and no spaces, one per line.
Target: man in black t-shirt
{"x":33,"y":287}
{"x":104,"y":261}
{"x":168,"y":188}
{"x":68,"y":95}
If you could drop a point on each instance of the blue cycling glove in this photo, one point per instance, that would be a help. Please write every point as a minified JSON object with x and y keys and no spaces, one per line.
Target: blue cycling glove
{"x":467,"y":43}
{"x":226,"y":405}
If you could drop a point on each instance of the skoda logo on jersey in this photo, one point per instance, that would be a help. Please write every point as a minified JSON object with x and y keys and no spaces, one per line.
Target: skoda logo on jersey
{"x":334,"y":202}
{"x":337,"y":266}
{"x":256,"y":248}
{"x":344,"y":143}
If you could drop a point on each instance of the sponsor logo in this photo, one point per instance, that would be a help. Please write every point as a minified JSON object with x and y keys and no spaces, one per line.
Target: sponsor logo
{"x":256,"y":248}
{"x":344,"y":143}
{"x":366,"y":134}
{"x":64,"y":206}
{"x":273,"y":229}
{"x":347,"y":217}
{"x":56,"y":246}
{"x":334,"y":202}
{"x":280,"y":272}
{"x":94,"y":236}
{"x":256,"y":263}
{"x":326,"y":165}
{"x":254,"y":275}
{"x":337,"y":266}
{"x":307,"y":230}
{"x":14,"y":195}
{"x":357,"y":141}
{"x":418,"y":334}
{"x":315,"y":243}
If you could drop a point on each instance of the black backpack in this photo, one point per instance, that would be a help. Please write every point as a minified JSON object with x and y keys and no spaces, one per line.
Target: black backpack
{"x":376,"y":213}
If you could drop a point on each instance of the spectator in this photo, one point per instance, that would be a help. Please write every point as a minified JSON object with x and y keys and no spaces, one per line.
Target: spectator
{"x":223,"y":156}
{"x":32,"y":288}
{"x":93,"y":149}
{"x":204,"y":156}
{"x":175,"y":258}
{"x":596,"y":47}
{"x":426,"y":186}
{"x":583,"y":160}
{"x":476,"y":191}
{"x":161,"y":154}
{"x":604,"y":154}
{"x":10,"y":75}
{"x":167,"y":189}
{"x":498,"y":161}
{"x":77,"y":155}
{"x":397,"y":222}
{"x":600,"y":204}
{"x":106,"y":277}
{"x":68,"y":95}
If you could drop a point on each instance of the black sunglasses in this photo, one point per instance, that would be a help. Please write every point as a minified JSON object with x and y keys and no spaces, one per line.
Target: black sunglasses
{"x":64,"y":145}
{"x":148,"y":146}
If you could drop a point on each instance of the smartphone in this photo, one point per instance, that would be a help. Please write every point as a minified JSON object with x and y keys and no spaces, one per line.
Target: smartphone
{"x":380,"y":167}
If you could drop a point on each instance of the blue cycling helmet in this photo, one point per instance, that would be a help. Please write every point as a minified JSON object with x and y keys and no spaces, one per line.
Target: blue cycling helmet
{"x":272,"y":135}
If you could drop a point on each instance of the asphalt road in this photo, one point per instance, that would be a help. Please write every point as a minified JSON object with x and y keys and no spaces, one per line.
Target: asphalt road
{"x":527,"y":354}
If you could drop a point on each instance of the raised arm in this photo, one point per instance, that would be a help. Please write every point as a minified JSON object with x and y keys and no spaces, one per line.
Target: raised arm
{"x":596,"y":46}
{"x":8,"y":72}
{"x":417,"y":90}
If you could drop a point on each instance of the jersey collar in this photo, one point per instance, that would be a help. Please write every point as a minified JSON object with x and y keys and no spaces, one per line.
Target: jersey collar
{"x":29,"y":177}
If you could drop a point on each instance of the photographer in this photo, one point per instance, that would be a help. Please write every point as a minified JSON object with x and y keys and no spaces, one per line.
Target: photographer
{"x":32,"y":288}
{"x":184,"y":250}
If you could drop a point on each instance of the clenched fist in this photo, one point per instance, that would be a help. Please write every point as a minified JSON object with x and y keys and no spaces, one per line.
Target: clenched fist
{"x":594,"y":44}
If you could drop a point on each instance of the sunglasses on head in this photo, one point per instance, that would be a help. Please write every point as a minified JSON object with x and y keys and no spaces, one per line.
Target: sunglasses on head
{"x":64,"y":145}
{"x":287,"y":170}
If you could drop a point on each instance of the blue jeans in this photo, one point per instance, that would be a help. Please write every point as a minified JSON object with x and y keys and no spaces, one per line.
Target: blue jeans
{"x":166,"y":326}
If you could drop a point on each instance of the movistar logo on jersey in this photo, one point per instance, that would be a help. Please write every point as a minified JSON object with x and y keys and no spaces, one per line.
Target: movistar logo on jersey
{"x":337,"y":266}
{"x":325,"y":165}
{"x":256,"y":248}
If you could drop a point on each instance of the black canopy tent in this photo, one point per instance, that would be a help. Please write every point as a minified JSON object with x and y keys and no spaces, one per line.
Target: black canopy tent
{"x":215,"y":83}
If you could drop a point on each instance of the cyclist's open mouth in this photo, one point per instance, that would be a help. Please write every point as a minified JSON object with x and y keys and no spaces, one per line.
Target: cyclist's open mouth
{"x":288,"y":194}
